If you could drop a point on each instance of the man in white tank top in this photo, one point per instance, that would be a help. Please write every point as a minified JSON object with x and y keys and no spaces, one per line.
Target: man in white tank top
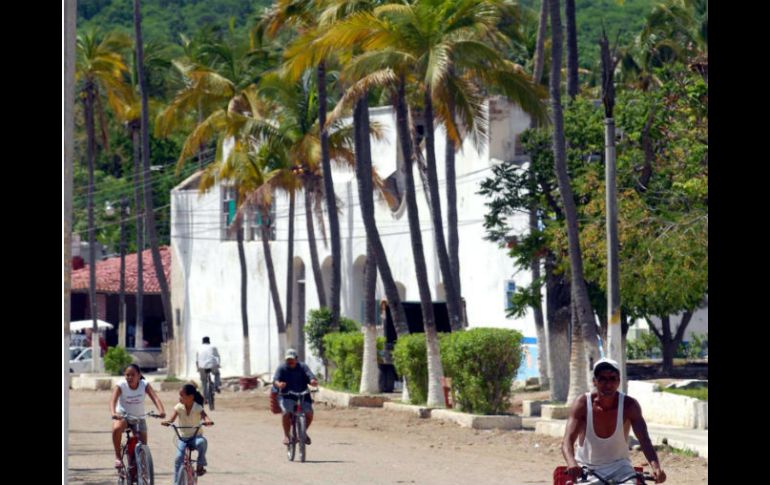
{"x":599,"y":422}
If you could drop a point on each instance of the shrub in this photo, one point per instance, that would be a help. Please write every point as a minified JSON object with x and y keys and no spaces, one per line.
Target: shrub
{"x":116,"y":359}
{"x":482,"y":363}
{"x":345,"y":353}
{"x":318,"y":325}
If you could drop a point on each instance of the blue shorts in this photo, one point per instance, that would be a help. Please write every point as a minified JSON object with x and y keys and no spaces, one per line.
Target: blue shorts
{"x":289,"y":405}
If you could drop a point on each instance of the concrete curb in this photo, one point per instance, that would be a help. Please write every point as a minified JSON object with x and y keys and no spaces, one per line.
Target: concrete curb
{"x":476,"y":421}
{"x":419,"y":411}
{"x":348,"y":400}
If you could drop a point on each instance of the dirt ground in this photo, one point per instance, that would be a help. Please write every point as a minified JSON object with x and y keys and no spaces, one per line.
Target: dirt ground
{"x":350,"y":446}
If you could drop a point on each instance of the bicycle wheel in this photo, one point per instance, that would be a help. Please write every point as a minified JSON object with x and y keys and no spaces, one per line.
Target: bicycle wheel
{"x":186,"y":476}
{"x":210,"y":394}
{"x":145,"y":473}
{"x":301,"y":427}
{"x":291,"y":447}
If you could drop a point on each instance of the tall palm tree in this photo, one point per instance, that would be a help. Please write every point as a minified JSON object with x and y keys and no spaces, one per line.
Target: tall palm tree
{"x":573,"y":85}
{"x":369,"y":382}
{"x":583,"y":313}
{"x":101,"y":72}
{"x":148,"y":204}
{"x":304,"y":15}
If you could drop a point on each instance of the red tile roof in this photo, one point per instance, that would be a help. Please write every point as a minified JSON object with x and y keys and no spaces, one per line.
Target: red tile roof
{"x":108,"y":274}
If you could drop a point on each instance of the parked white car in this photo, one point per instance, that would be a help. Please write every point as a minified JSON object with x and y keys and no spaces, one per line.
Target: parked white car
{"x":80,"y":359}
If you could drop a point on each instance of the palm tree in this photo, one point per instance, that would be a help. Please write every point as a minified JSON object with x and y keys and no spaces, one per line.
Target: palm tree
{"x":583,"y":314}
{"x":101,"y":70}
{"x":304,"y":14}
{"x":369,"y":381}
{"x":148,"y":204}
{"x":300,"y":56}
{"x":573,"y":85}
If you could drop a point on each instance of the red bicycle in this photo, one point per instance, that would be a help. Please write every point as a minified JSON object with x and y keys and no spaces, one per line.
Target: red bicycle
{"x":187,"y":474}
{"x":137,"y":467}
{"x":561,"y":477}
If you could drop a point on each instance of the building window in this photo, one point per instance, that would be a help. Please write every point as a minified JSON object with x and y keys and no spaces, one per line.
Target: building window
{"x":510,"y":289}
{"x":255,"y":224}
{"x":229,"y":200}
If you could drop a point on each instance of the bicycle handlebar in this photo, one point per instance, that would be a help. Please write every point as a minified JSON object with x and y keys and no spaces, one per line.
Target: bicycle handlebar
{"x":127,"y":416}
{"x":641,"y":475}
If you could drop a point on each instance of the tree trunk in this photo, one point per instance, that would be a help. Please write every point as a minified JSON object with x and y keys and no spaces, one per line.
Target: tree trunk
{"x":279,"y":322}
{"x":452,"y":300}
{"x":366,"y":199}
{"x":577,"y":363}
{"x":290,"y":267}
{"x":370,"y":372}
{"x":139,"y":216}
{"x":122,"y":297}
{"x":331,"y":200}
{"x":69,"y":48}
{"x":670,"y":342}
{"x":91,"y":154}
{"x":244,"y":300}
{"x":452,"y":231}
{"x":558,"y":315}
{"x":314,"y":263}
{"x":542,"y":28}
{"x":573,"y":86}
{"x":580,"y":298}
{"x":149,"y":212}
{"x":435,"y":371}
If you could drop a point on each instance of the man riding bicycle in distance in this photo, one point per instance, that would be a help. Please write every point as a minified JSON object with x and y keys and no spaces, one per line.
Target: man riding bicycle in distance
{"x":599,"y":421}
{"x":207,"y":359}
{"x":294,"y":376}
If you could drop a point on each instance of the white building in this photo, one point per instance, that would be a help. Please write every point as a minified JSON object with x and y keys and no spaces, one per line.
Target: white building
{"x":206,"y":273}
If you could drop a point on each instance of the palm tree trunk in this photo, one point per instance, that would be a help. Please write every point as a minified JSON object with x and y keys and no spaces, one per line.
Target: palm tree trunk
{"x":331,"y":200}
{"x":279,"y":322}
{"x":149,"y":212}
{"x":290,"y":269}
{"x":244,"y":300}
{"x":447,"y":275}
{"x":369,"y":372}
{"x":540,"y":44}
{"x":580,"y":299}
{"x":314,"y":263}
{"x":577,"y":368}
{"x":537,"y":310}
{"x":91,"y":154}
{"x":558,"y":316}
{"x":366,"y":198}
{"x":573,"y":87}
{"x":453,"y":235}
{"x":139,"y":216}
{"x":122,"y":297}
{"x":435,"y":370}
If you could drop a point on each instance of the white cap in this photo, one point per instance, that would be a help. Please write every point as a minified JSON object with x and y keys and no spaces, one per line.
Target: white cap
{"x":604,"y":363}
{"x":290,"y":354}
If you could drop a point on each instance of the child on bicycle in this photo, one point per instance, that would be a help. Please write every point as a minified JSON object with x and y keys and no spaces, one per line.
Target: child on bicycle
{"x":190,"y":412}
{"x":128,"y":398}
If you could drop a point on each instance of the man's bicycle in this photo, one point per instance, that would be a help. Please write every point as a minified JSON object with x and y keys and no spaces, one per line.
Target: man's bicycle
{"x":298,"y":432}
{"x":560,"y":476}
{"x":209,"y":390}
{"x":137,"y":467}
{"x":187,"y":474}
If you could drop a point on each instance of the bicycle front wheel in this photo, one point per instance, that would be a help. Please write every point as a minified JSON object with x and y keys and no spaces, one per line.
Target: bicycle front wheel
{"x":301,"y":436}
{"x":145,"y":472}
{"x":210,"y":395}
{"x":292,"y":446}
{"x":186,"y":476}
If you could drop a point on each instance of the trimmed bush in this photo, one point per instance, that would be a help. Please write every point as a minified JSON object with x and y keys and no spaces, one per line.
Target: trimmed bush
{"x":116,"y":359}
{"x":482,"y":363}
{"x":410,"y":357}
{"x":319,"y":324}
{"x":345,"y":353}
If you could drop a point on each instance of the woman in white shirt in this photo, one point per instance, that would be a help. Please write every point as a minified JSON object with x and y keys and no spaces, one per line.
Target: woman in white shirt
{"x":128,"y":398}
{"x":190,"y":412}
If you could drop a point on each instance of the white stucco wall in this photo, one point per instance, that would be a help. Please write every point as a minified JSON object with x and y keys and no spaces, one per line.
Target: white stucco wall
{"x":209,"y":302}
